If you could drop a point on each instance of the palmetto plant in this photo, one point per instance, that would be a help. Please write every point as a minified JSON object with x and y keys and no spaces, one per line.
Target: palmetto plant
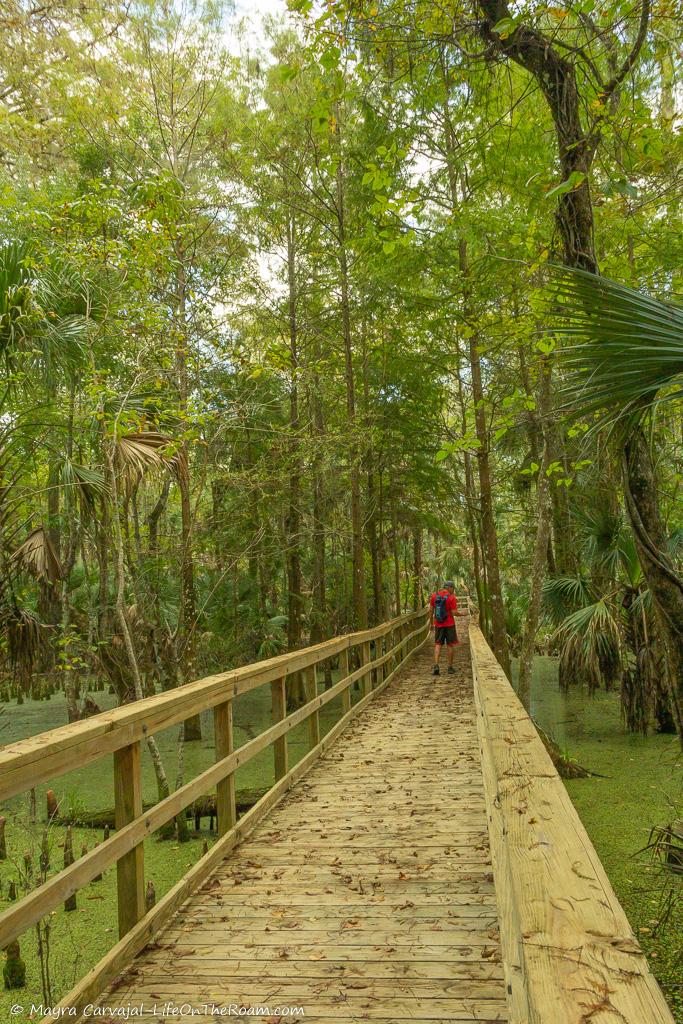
{"x":623,"y":360}
{"x":43,"y":313}
{"x":604,"y":623}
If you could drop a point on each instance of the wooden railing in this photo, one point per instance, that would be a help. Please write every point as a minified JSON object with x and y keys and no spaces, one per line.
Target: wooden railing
{"x":570,"y":955}
{"x":379,"y":652}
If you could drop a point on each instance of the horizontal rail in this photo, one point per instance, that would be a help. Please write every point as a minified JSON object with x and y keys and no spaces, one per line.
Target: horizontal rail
{"x":38,"y":759}
{"x":40,"y":901}
{"x":568,"y":949}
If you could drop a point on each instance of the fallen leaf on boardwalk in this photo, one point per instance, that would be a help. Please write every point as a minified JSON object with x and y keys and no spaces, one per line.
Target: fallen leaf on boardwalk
{"x":356,"y":984}
{"x":283,"y":954}
{"x":488,"y":953}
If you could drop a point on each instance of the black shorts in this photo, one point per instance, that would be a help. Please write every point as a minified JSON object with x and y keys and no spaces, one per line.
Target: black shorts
{"x":445,"y":635}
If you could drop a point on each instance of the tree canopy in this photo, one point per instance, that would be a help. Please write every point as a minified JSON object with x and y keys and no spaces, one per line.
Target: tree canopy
{"x":282,"y":346}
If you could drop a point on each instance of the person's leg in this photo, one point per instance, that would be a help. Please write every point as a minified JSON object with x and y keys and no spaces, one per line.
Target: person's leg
{"x":438,"y":644}
{"x":452,"y":640}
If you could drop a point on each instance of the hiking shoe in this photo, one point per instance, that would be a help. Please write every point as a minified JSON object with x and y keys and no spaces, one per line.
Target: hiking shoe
{"x":451,"y":670}
{"x":435,"y":670}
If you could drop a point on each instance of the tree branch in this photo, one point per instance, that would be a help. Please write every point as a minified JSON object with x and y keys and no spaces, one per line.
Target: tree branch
{"x":630,"y":61}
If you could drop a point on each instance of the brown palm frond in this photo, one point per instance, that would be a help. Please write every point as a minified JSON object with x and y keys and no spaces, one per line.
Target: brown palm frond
{"x":147,"y":451}
{"x":38,"y":557}
{"x":25,"y":637}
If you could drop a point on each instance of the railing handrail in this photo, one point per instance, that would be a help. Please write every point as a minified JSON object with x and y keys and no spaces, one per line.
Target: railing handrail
{"x":568,"y":949}
{"x":27,"y":763}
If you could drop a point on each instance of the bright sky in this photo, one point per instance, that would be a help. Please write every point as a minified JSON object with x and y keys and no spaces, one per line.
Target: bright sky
{"x":252,"y":12}
{"x":257,"y":8}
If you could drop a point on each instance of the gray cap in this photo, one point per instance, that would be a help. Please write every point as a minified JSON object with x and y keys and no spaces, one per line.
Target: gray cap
{"x":449,"y":584}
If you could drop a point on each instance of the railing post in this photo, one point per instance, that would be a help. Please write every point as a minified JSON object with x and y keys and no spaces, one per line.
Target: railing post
{"x":130,"y":869}
{"x":364,"y":660}
{"x":311,"y":691}
{"x":278,"y":691}
{"x":401,"y":637}
{"x":226,"y":810}
{"x":344,"y":671}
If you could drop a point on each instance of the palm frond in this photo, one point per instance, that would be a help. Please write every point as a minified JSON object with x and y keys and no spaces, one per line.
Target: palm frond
{"x":15,"y":297}
{"x":43,"y":311}
{"x":24,"y":637}
{"x":562,"y":595}
{"x":89,"y":484}
{"x":676,"y":542}
{"x":38,"y":557}
{"x":592,"y":648}
{"x":145,"y":452}
{"x":625,"y":348}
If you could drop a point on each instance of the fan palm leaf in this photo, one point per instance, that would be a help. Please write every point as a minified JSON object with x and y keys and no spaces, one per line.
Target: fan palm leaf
{"x":626,"y":348}
{"x":147,"y":451}
{"x":38,"y":557}
{"x":88,"y":484}
{"x":563,"y":595}
{"x":15,"y":297}
{"x":43,"y":312}
{"x":592,"y":647}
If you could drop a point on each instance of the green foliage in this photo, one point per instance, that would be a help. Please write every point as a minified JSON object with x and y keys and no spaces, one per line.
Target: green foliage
{"x":629,"y":354}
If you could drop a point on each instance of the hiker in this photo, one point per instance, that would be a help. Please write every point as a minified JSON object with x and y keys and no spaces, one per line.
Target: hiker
{"x":443,"y":606}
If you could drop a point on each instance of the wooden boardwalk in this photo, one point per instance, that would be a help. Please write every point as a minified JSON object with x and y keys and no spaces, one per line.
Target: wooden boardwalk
{"x":360,"y":887}
{"x":366,"y":895}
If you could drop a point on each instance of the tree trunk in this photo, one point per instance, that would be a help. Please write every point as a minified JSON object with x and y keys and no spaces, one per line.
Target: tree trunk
{"x":556,"y":77}
{"x":319,"y":611}
{"x":418,"y":597}
{"x":122,"y":616}
{"x":470,"y":497}
{"x":540,"y":555}
{"x":396,"y":553}
{"x":360,"y":609}
{"x":184,"y":643}
{"x":371,"y":514}
{"x":154,"y":517}
{"x":665,"y":585}
{"x":293,"y":514}
{"x":490,"y":536}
